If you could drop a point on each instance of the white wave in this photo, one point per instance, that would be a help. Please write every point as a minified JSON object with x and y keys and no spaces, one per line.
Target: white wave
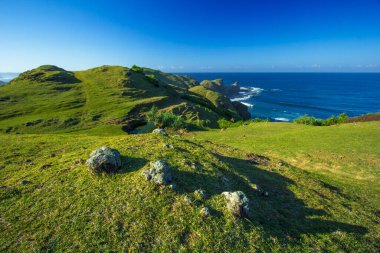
{"x":275,"y":90}
{"x":282,"y":119}
{"x":241,"y":98}
{"x":246,"y":93}
{"x":247,"y":104}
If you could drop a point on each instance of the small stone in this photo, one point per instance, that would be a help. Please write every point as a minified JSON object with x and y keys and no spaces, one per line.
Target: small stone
{"x":281,"y":163}
{"x":2,"y":186}
{"x":158,"y":173}
{"x":200,"y":194}
{"x":173,"y":186}
{"x":237,"y":203}
{"x":159,"y":131}
{"x":167,"y":146}
{"x":24,"y":182}
{"x":205,"y":211}
{"x":266,"y":194}
{"x":104,"y":159}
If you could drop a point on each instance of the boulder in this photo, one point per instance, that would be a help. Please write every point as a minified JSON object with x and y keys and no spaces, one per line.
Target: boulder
{"x":159,"y":131}
{"x":158,"y":173}
{"x":237,"y":203}
{"x":234,"y":88}
{"x":242,"y":110}
{"x":104,"y":159}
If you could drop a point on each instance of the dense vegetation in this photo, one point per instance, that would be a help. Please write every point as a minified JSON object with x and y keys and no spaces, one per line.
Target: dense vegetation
{"x":165,"y":119}
{"x":312,"y":121}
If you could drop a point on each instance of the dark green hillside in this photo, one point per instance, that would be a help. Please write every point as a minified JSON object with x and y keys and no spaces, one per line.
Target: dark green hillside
{"x":51,"y":99}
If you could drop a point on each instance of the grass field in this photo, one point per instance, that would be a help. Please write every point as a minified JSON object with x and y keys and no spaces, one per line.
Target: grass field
{"x":322,"y":198}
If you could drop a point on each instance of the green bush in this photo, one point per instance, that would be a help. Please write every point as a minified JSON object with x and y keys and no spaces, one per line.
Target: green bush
{"x":165,"y":119}
{"x":312,"y":121}
{"x":256,"y":120}
{"x":223,"y":123}
{"x":137,"y":69}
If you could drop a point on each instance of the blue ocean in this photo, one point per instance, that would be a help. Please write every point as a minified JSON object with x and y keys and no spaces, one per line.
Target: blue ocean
{"x":287,"y":96}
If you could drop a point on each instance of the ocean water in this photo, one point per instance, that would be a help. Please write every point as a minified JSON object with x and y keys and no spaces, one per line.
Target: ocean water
{"x":286,"y":96}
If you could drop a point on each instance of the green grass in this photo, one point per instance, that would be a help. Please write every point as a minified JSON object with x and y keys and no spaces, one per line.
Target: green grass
{"x":50,"y":99}
{"x":68,"y":208}
{"x":346,"y":155}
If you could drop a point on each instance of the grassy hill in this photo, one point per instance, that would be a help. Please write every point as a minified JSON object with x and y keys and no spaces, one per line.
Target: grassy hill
{"x":51,"y":99}
{"x":310,"y":189}
{"x":322,"y":184}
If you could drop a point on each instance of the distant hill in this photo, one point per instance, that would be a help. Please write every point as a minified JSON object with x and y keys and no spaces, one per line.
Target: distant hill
{"x":51,"y":99}
{"x":1,"y":82}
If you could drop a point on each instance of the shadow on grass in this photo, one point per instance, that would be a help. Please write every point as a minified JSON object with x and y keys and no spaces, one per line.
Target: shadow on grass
{"x":281,"y":214}
{"x":130,"y":164}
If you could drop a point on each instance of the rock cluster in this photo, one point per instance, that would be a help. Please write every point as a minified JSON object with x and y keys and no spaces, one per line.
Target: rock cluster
{"x":237,"y":203}
{"x":158,"y":173}
{"x":104,"y":159}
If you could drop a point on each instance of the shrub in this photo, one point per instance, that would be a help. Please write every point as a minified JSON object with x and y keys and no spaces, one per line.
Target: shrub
{"x":312,"y":121}
{"x":256,"y":120}
{"x":223,"y":123}
{"x":165,"y":119}
{"x":308,"y":120}
{"x":137,"y":69}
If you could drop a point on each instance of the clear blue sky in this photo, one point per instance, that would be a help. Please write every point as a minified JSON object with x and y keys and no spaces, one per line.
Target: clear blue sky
{"x":192,"y":35}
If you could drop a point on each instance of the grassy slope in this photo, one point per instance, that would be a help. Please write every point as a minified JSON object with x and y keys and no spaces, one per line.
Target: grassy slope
{"x":50,"y":99}
{"x":66,"y":207}
{"x":346,"y":154}
{"x":220,"y":102}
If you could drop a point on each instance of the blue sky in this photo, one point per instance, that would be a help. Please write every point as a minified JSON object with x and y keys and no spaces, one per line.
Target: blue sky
{"x":192,"y":35}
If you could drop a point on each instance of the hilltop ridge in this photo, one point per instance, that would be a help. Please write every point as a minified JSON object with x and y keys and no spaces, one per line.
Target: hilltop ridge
{"x":51,"y":99}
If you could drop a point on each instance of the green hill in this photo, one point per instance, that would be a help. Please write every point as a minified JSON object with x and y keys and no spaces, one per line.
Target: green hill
{"x":51,"y":99}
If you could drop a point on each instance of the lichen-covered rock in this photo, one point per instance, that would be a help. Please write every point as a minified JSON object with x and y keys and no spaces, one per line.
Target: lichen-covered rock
{"x":159,"y":131}
{"x":237,"y":203}
{"x":158,"y":173}
{"x":104,"y":159}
